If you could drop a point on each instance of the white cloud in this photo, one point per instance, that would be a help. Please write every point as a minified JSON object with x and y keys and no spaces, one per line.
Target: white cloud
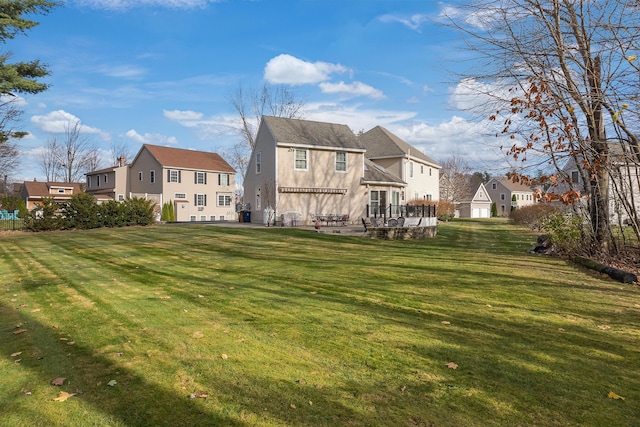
{"x":128,"y":4}
{"x":413,"y":22}
{"x":182,"y":116}
{"x":287,"y":69}
{"x":151,"y":138}
{"x":354,"y":89}
{"x":17,"y":101}
{"x":122,"y":71}
{"x":59,"y":121}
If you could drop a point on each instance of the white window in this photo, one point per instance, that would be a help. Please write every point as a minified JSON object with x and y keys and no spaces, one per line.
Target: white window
{"x":174,"y":175}
{"x":200,"y":199}
{"x":503,"y":196}
{"x":494,"y":186}
{"x":203,"y":217}
{"x":224,"y":199}
{"x":301,"y":162}
{"x":179,"y":196}
{"x":223,"y":179}
{"x":341,"y":161}
{"x":259,"y":162}
{"x":139,"y":176}
{"x":410,"y":169}
{"x":212,"y":218}
{"x":121,"y":197}
{"x":192,"y":218}
{"x":201,"y":177}
{"x":98,"y":180}
{"x":105,"y":178}
{"x":429,"y":171}
{"x":421,"y":169}
{"x":60,"y":190}
{"x":152,"y":176}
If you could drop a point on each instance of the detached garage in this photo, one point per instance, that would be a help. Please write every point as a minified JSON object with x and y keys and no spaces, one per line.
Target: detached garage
{"x":476,"y":205}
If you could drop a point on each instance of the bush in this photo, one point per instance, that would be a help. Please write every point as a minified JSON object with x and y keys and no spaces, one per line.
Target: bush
{"x":113,"y":214}
{"x":494,"y":210}
{"x":44,"y":216}
{"x":445,"y":210}
{"x":168,"y":213}
{"x":566,"y":231}
{"x":140,"y":211}
{"x":12,"y":203}
{"x":81,"y":212}
{"x":531,"y":216}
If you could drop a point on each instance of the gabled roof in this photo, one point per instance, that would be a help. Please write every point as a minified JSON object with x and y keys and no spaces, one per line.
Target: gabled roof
{"x":42,"y":189}
{"x":471,"y":195}
{"x":381,"y":143}
{"x":376,"y":174}
{"x":187,"y":159}
{"x":512,"y":186}
{"x":298,"y":132}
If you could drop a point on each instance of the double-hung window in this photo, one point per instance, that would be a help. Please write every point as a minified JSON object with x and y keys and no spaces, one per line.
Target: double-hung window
{"x":201,"y":177}
{"x":152,"y":176}
{"x":259,"y":162}
{"x":200,"y":200}
{"x":301,"y":160}
{"x":174,"y":175}
{"x":341,"y":161}
{"x":223,"y":179}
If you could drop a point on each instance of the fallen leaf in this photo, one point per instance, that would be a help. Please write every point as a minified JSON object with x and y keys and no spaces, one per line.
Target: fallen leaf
{"x":165,"y":297}
{"x":58,"y":381}
{"x":71,"y":343}
{"x":17,"y":361}
{"x":293,"y":406}
{"x":224,"y":356}
{"x":612,"y":395}
{"x":199,"y":395}
{"x":13,"y":300}
{"x":24,"y":305}
{"x":63,"y":395}
{"x":404,"y":387}
{"x":27,"y":393}
{"x":17,"y":353}
{"x":561,"y":329}
{"x":19,"y":331}
{"x":112,"y":383}
{"x":313,"y":292}
{"x":310,"y":403}
{"x":604,"y":327}
{"x":452,"y":365}
{"x":35,"y":310}
{"x":200,"y":296}
{"x":445,"y":322}
{"x":64,"y":339}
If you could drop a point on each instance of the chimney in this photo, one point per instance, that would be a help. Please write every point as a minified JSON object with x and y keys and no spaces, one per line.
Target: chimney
{"x":121,"y":161}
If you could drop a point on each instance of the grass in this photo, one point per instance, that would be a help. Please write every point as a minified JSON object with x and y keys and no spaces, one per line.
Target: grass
{"x":286,"y":327}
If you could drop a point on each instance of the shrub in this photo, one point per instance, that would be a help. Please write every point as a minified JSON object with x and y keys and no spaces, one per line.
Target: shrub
{"x":530,"y":216}
{"x":140,"y":211}
{"x":445,"y":210}
{"x":12,"y":203}
{"x":566,"y":231}
{"x":81,"y":212}
{"x":494,"y":210}
{"x":44,"y":216}
{"x":168,"y":213}
{"x":113,"y":214}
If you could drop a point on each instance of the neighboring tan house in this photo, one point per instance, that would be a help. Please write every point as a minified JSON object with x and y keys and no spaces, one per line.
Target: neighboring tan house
{"x":476,"y":204}
{"x":302,"y":168}
{"x":416,"y":169}
{"x":33,"y":192}
{"x":200,"y":184}
{"x":509,"y":195}
{"x":109,"y":183}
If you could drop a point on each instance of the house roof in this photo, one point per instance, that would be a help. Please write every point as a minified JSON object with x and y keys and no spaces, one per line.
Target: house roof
{"x":41,"y":189}
{"x":513,"y":186}
{"x":376,"y":174}
{"x":187,"y":159}
{"x":381,"y":143}
{"x":309,"y":133}
{"x":471,"y":194}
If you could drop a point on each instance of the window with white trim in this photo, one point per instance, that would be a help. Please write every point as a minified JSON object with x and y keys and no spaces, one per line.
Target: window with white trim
{"x":301,"y":160}
{"x":152,"y":176}
{"x":105,"y":178}
{"x":121,"y":197}
{"x":179,"y":196}
{"x":140,"y":176}
{"x":223,"y":179}
{"x":174,"y":175}
{"x":410,"y":169}
{"x":200,"y":199}
{"x":259,"y":162}
{"x":201,"y":177}
{"x":341,"y":161}
{"x":224,"y":199}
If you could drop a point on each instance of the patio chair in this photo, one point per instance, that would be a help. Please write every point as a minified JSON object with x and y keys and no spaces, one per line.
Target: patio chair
{"x":392,"y":222}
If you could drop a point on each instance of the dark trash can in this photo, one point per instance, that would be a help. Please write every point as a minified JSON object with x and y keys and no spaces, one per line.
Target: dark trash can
{"x":247,"y":216}
{"x":241,"y":216}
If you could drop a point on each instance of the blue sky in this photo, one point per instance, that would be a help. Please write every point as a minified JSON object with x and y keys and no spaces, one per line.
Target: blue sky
{"x":162,"y":72}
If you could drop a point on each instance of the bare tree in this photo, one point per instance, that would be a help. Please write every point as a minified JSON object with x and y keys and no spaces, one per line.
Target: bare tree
{"x":559,"y":72}
{"x":455,"y":179}
{"x":9,"y":116}
{"x":49,"y":160}
{"x":251,"y":104}
{"x":120,"y":150}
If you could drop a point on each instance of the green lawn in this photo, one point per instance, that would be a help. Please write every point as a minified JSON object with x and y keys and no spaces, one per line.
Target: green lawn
{"x":287,"y":327}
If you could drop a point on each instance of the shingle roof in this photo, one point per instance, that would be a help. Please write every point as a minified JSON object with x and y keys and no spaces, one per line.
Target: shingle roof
{"x":41,"y":189}
{"x":374,"y":173}
{"x":381,"y":143}
{"x":189,"y":159}
{"x":310,"y":133}
{"x":513,"y":186}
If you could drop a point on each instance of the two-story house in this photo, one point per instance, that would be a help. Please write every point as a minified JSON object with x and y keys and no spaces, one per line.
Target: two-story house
{"x":33,"y":192}
{"x":509,"y":195}
{"x":201,"y":185}
{"x":416,"y":169}
{"x":109,"y":183}
{"x":315,"y":168}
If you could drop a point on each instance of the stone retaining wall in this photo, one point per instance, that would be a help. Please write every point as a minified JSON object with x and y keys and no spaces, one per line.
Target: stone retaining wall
{"x":401,"y":233}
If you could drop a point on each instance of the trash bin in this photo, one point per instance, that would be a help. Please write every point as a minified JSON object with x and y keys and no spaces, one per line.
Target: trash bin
{"x":247,"y":216}
{"x":241,"y":216}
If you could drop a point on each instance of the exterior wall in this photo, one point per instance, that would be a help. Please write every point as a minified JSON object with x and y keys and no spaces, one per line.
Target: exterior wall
{"x":502,"y":196}
{"x":392,"y":165}
{"x":425,"y":183}
{"x":260,"y":187}
{"x":320,"y":174}
{"x":115,"y":186}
